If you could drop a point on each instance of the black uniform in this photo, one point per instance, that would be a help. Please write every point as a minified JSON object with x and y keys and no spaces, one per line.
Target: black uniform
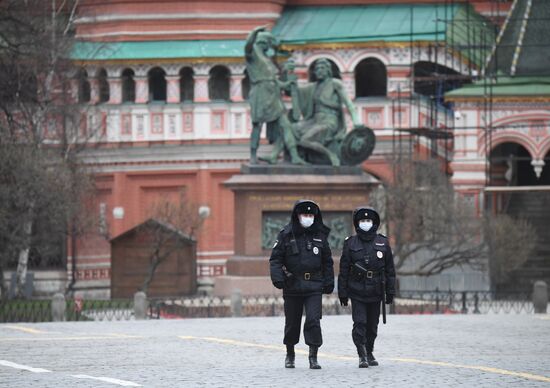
{"x":301,"y":264}
{"x":366,"y":262}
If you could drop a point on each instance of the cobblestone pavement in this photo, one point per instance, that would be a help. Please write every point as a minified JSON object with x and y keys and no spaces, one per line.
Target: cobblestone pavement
{"x":414,"y":351}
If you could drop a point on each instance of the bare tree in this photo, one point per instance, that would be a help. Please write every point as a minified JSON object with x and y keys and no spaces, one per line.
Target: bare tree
{"x":427,"y":219}
{"x":42,"y":184}
{"x":510,"y":242}
{"x":171,"y":225}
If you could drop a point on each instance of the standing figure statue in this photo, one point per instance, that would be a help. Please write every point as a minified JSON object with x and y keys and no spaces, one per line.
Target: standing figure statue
{"x":266,"y":104}
{"x":323,"y":127}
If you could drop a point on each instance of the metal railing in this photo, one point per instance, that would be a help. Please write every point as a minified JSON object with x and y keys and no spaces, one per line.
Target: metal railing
{"x":76,"y":310}
{"x":406,"y":302}
{"x":463,"y":302}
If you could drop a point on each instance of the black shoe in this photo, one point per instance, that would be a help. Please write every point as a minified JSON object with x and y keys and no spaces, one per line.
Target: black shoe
{"x":371,"y":360}
{"x":289,"y":360}
{"x":290,"y":356}
{"x":362,"y":352}
{"x":313,"y":364}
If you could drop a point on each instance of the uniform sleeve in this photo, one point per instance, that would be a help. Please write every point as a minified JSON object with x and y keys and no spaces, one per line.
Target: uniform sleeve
{"x":344,"y":272}
{"x":328,"y":267}
{"x":277,"y":260}
{"x":390,"y":272}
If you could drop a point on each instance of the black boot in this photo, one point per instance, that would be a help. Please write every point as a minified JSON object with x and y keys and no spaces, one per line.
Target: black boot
{"x":370,"y":357}
{"x":313,"y":364}
{"x":371,"y":360}
{"x":290,"y":356}
{"x":362,"y":352}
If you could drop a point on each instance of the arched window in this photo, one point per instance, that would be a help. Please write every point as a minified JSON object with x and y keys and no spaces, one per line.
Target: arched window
{"x":334,"y":68}
{"x":157,"y":84}
{"x":103,"y":85}
{"x":371,"y":78}
{"x":218,"y":83}
{"x":128,"y":86}
{"x":83,"y":86}
{"x":187,"y":84}
{"x":245,"y":86}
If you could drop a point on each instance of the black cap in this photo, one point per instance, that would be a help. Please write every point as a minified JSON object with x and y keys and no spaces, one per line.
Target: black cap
{"x":365,"y":213}
{"x":306,"y":208}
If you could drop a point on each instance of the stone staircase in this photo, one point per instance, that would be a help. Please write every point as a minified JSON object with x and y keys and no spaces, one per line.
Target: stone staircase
{"x":533,"y":206}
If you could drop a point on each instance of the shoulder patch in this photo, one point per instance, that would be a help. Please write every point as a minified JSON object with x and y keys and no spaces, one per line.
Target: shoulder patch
{"x":381,"y":235}
{"x":347,"y":238}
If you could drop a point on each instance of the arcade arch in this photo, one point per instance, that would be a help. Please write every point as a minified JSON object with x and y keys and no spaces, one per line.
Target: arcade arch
{"x":510,"y":165}
{"x":187,"y":84}
{"x":84,"y":90}
{"x":128,"y":86}
{"x":245,"y":86}
{"x":103,"y":85}
{"x":157,"y":84}
{"x":371,"y":78}
{"x":218,"y":83}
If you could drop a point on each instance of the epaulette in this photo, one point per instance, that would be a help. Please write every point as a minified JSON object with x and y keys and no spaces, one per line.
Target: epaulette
{"x":380,"y":234}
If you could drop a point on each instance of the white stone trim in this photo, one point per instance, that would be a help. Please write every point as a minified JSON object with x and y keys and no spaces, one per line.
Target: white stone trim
{"x":175,"y":16}
{"x":163,"y":32}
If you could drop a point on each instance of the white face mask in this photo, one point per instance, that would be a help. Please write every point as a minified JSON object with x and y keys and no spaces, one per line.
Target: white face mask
{"x":365,"y":225}
{"x":306,"y":221}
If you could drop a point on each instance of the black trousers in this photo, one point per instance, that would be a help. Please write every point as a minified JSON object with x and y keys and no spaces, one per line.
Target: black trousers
{"x":365,"y":323}
{"x":294,"y":307}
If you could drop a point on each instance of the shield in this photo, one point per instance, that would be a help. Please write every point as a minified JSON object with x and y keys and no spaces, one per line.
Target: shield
{"x":357,"y":146}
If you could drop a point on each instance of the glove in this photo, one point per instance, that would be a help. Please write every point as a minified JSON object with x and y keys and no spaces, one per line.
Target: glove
{"x":328,"y":289}
{"x":343,"y":301}
{"x":279,"y":285}
{"x":389,"y":299}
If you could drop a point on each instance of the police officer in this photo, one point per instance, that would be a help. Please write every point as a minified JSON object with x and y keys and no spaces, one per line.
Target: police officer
{"x":366,"y":268}
{"x":301,"y":265}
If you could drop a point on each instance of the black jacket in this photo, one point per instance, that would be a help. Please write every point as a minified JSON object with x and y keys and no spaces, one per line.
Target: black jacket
{"x":301,"y":258}
{"x":368,"y":251}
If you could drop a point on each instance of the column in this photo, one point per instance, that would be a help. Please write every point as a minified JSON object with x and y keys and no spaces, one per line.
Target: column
{"x":142,"y":89}
{"x":94,"y":90}
{"x":201,"y":83}
{"x":236,"y":91}
{"x":173,"y":89}
{"x":348,"y":79}
{"x":115,"y":90}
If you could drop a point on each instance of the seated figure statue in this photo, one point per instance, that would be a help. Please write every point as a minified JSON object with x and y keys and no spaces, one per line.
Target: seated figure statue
{"x":323,"y":127}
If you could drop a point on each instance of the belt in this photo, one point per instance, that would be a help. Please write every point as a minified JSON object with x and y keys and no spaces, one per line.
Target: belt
{"x":311,"y":275}
{"x":368,"y":274}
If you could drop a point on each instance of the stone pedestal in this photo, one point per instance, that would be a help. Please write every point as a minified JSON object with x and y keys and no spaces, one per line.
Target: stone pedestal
{"x":265,"y":193}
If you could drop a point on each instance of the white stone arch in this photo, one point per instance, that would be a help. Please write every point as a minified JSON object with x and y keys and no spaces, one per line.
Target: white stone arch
{"x":328,"y":55}
{"x":354,"y":61}
{"x":499,"y":138}
{"x":142,"y":70}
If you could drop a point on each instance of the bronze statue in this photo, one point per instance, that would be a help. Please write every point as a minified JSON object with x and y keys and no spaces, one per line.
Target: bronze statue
{"x":320,"y":138}
{"x":323,"y":127}
{"x":266,"y":104}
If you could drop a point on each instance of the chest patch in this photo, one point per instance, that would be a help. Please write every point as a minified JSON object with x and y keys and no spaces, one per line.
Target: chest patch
{"x":379,"y":254}
{"x":316,"y":250}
